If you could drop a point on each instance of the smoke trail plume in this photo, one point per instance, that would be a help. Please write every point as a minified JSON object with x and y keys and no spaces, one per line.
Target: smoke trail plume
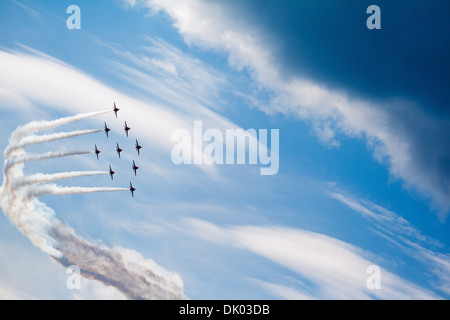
{"x":20,"y":156}
{"x":47,"y":125}
{"x":46,"y":178}
{"x":36,"y":126}
{"x":124,"y":269}
{"x":34,"y":139}
{"x":37,"y":191}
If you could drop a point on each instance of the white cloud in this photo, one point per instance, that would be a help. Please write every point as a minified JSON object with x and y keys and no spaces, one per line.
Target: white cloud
{"x":337,"y":269}
{"x":215,"y":26}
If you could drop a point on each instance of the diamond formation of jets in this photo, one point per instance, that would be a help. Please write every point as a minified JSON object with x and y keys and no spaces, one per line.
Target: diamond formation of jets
{"x":138,"y":147}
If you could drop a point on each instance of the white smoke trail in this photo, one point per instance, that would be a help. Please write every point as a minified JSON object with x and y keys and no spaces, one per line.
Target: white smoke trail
{"x":122,"y":268}
{"x":47,"y":125}
{"x":20,"y":156}
{"x":46,"y":178}
{"x":34,"y":139}
{"x":37,"y":191}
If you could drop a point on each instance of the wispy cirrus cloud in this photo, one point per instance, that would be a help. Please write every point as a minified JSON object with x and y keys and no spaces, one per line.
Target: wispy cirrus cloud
{"x":36,"y":16}
{"x":335,"y":269}
{"x":170,"y":75}
{"x":402,"y":234}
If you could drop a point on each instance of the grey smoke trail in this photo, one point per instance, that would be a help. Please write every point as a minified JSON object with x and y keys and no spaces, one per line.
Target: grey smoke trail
{"x":46,"y":178}
{"x":124,"y":269}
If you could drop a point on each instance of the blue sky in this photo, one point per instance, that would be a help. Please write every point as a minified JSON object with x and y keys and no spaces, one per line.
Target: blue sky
{"x":363,"y":117}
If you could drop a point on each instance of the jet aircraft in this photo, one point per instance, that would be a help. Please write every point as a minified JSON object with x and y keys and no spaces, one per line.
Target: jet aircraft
{"x":135,"y":167}
{"x":132,"y":189}
{"x":118,"y":149}
{"x":107,"y":130}
{"x":138,"y":147}
{"x":115,"y":109}
{"x":126,"y":128}
{"x":111,"y":172}
{"x":96,"y":151}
